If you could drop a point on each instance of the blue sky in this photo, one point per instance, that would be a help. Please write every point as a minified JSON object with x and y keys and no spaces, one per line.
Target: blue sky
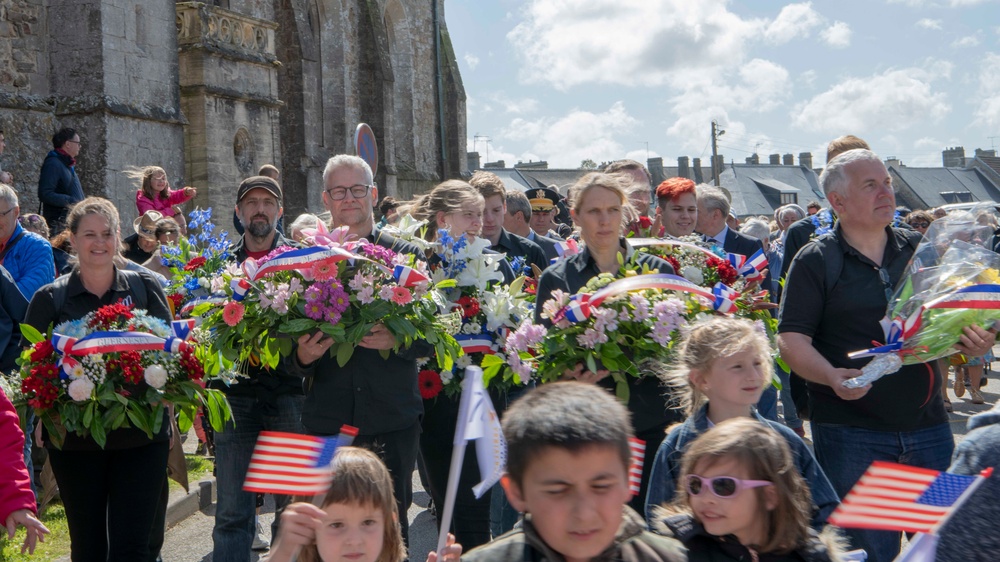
{"x":565,"y":80}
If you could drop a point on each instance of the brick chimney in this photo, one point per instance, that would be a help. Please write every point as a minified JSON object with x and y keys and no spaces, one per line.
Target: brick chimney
{"x":683,"y":168}
{"x":775,"y":159}
{"x":472,"y":158}
{"x":655,"y":167}
{"x":788,"y":160}
{"x":698,"y":177}
{"x":806,"y":159}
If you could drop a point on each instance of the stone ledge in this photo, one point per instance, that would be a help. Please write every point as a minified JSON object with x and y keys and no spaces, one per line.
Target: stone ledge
{"x":215,"y":91}
{"x":114,"y":106}
{"x":10,"y":100}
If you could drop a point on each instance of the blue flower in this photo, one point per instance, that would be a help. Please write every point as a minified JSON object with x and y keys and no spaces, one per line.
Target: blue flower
{"x":192,"y":284}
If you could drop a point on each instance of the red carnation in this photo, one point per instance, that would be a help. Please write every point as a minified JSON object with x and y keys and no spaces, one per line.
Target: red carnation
{"x":430,"y":384}
{"x":470,"y":306}
{"x":195,"y":263}
{"x":727,"y":273}
{"x":176,"y":299}
{"x":673,"y":263}
{"x":645,"y":222}
{"x":108,"y":316}
{"x":42,"y":350}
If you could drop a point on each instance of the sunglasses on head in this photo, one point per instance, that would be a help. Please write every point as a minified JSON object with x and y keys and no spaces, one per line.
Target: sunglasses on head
{"x":721,"y":486}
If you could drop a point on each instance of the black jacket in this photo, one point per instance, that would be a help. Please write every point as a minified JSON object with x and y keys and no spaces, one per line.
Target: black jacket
{"x":703,"y":547}
{"x":518,"y":247}
{"x":58,"y":188}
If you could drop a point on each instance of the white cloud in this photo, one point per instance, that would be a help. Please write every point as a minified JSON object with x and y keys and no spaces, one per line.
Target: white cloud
{"x":514,"y":106}
{"x":566,"y":141}
{"x":927,"y":142}
{"x":488,"y":152}
{"x":471,"y":60}
{"x":641,"y":155}
{"x":837,"y":35}
{"x":967,"y":41}
{"x":988,"y":110}
{"x":939,"y":3}
{"x":891,"y":101}
{"x":758,"y":86}
{"x":928,"y":23}
{"x":808,"y":78}
{"x":628,"y":42}
{"x":794,"y":21}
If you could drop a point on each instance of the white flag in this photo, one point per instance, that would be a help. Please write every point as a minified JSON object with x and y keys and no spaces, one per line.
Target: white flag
{"x":478,"y":422}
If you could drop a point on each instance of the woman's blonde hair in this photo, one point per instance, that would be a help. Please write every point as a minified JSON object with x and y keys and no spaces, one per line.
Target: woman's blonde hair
{"x":143,"y":178}
{"x":618,"y":184}
{"x":360,"y":478}
{"x":446,"y":197}
{"x":765,"y":455}
{"x":705,"y":342}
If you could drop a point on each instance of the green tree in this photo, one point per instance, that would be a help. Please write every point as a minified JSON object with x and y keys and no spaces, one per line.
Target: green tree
{"x":588,"y":164}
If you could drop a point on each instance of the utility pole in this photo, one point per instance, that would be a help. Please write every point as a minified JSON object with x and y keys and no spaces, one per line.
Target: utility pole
{"x":716,"y":133}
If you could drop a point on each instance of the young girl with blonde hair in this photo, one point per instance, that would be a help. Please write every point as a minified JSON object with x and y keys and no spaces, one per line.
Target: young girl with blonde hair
{"x":722,"y":367}
{"x":154,"y":193}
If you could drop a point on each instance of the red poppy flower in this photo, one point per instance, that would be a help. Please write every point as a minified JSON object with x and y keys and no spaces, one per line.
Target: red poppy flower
{"x":195,"y":263}
{"x":430,"y":384}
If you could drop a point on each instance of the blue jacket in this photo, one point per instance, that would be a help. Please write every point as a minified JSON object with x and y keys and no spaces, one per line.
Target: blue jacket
{"x":971,"y":534}
{"x":667,"y":467}
{"x":58,"y":187}
{"x":30,"y":262}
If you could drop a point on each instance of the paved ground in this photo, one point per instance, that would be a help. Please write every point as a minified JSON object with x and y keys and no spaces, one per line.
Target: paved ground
{"x":191,"y":540}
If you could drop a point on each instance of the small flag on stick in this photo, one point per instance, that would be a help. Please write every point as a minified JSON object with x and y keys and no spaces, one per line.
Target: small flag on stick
{"x":896,"y":497}
{"x":638,"y":447}
{"x":291,"y":464}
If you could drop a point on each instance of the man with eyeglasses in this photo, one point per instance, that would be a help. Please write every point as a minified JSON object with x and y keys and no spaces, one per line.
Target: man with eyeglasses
{"x":58,"y":185}
{"x":376,"y":390}
{"x":824,"y":316}
{"x":265,"y":400}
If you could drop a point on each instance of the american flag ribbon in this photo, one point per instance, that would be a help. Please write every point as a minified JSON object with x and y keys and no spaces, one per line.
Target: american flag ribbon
{"x":638,"y":448}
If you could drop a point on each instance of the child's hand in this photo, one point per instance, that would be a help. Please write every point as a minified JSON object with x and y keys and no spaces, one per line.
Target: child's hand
{"x":451,"y":553}
{"x":190,"y":191}
{"x":36,"y":530}
{"x":299,"y":522}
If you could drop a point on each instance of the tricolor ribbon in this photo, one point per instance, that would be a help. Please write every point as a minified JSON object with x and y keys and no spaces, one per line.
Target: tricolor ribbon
{"x":479,"y":343}
{"x":117,"y":342}
{"x":580,"y":306}
{"x":211,"y":299}
{"x":897,"y":331}
{"x":753,"y":267}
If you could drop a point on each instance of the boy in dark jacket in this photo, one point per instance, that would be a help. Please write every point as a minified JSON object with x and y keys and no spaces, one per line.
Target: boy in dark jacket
{"x":567,"y":472}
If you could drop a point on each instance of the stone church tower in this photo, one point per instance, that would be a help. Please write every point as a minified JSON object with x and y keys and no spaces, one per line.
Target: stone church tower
{"x":212,"y":91}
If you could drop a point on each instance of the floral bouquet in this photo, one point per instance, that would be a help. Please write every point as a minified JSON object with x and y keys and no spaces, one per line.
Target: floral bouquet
{"x":612,"y":324}
{"x":481,"y":310}
{"x":952,"y":281}
{"x":118,"y":367}
{"x":196,"y":264}
{"x":341,"y":290}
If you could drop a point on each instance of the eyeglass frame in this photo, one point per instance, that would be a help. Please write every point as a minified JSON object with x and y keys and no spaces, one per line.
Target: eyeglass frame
{"x":346,"y":189}
{"x":708,"y":484}
{"x":883,"y":276}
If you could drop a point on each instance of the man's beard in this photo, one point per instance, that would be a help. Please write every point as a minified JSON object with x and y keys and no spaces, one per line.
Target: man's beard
{"x":260,"y":229}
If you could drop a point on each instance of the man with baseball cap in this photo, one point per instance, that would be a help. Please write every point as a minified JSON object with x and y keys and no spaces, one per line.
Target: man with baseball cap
{"x":139,"y":247}
{"x":264,"y":400}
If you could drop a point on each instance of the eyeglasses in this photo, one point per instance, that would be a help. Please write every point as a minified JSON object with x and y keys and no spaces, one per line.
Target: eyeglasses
{"x":75,"y":142}
{"x":883,"y":276}
{"x":920,"y":224}
{"x":721,"y":486}
{"x":340,"y":193}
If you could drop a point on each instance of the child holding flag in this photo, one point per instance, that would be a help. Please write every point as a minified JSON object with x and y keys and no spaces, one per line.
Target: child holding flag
{"x":727,"y":361}
{"x":357,"y":520}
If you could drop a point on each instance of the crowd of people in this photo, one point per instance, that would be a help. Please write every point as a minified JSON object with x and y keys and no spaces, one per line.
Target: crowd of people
{"x":726,"y":477}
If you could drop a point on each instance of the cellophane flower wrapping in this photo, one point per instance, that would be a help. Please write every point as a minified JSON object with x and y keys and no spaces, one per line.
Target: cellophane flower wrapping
{"x":343,"y":299}
{"x":480,"y":311}
{"x":952,"y":258}
{"x":196,"y":262}
{"x":101,"y":392}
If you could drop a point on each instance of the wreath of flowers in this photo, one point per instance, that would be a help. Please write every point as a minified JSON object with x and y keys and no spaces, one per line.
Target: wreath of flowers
{"x":93,"y":393}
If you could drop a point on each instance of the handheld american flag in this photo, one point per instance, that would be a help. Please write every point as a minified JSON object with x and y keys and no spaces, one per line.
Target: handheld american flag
{"x":896,"y":497}
{"x":289,"y":463}
{"x":638,"y":447}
